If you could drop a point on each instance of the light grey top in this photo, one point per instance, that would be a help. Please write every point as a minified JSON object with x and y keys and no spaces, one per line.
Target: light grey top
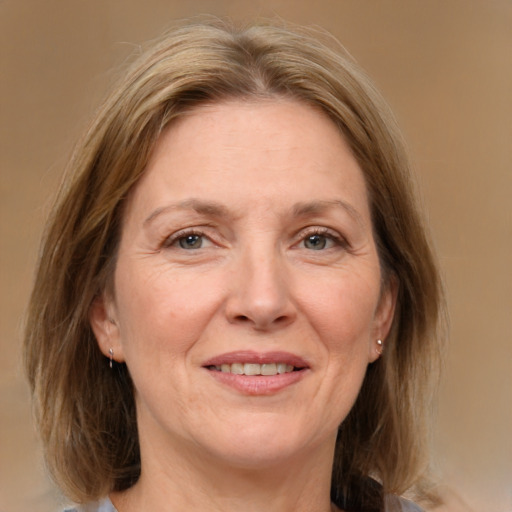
{"x":104,"y":505}
{"x":393,"y":504}
{"x":397,"y":504}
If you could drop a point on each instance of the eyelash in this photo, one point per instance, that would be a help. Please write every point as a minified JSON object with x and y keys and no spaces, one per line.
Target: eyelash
{"x":327,"y":233}
{"x":334,"y":237}
{"x":176,"y":237}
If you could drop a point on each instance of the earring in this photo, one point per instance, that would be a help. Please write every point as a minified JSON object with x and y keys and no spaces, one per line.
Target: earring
{"x":111,"y":352}
{"x":380,"y":347}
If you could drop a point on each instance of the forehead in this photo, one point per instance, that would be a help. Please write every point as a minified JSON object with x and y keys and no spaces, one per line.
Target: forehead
{"x":241,"y":150}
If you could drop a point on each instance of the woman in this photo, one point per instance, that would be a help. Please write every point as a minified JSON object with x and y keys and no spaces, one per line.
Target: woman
{"x":236,"y":305}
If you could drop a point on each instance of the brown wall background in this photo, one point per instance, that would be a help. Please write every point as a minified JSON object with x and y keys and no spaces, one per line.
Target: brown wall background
{"x":446,"y":68}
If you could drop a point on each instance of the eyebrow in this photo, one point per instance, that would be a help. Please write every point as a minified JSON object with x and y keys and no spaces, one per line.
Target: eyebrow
{"x":215,"y":209}
{"x":210,"y":208}
{"x":318,"y":207}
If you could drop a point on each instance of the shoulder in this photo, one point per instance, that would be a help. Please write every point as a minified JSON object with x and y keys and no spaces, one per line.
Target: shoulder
{"x":398,"y":504}
{"x":104,"y":505}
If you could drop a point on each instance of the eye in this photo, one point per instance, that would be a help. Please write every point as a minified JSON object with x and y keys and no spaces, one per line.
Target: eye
{"x":316,"y":242}
{"x":187,"y":240}
{"x":319,"y":239}
{"x":192,"y":241}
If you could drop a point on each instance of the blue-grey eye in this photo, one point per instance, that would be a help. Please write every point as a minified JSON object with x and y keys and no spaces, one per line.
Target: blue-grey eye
{"x":315,"y":242}
{"x":191,"y":242}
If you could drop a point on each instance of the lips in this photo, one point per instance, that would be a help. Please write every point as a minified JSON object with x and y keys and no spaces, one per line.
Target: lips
{"x":256,"y":373}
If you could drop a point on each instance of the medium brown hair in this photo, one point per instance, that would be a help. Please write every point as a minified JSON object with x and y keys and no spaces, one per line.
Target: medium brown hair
{"x":85,"y":411}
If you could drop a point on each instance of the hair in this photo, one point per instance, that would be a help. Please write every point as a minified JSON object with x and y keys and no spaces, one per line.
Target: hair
{"x":84,"y":410}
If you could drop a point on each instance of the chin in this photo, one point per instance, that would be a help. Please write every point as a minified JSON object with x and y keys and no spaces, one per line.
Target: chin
{"x":263,"y":444}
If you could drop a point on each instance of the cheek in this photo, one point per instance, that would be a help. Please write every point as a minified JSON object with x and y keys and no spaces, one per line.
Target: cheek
{"x":342,"y":318}
{"x":162,"y":311}
{"x":343,"y":310}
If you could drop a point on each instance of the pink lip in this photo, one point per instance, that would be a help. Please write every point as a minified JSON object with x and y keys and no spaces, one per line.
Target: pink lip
{"x":254,"y":385}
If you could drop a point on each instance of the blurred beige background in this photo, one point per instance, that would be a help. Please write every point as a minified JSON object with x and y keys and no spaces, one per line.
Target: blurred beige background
{"x":446,"y":68}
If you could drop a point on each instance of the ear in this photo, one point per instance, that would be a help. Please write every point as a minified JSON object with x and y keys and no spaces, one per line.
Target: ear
{"x":383,"y":318}
{"x":105,"y":326}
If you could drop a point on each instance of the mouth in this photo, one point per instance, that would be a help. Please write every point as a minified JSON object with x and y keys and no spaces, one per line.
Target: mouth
{"x":253,"y":373}
{"x":267,"y":369}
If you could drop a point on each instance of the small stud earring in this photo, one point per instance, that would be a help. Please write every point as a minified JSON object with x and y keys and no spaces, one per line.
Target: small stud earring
{"x":379,"y":347}
{"x":111,"y":352}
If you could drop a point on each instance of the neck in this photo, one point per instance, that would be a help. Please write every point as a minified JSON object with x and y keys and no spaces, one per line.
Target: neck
{"x":184,"y":481}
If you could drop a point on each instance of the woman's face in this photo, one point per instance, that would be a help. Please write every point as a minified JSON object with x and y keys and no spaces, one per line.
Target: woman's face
{"x":247,"y":300}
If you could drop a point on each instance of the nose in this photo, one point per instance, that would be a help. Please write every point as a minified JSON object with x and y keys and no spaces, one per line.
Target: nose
{"x":260,"y":293}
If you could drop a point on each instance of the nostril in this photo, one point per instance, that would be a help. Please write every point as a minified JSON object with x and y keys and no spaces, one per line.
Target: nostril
{"x":280,"y":320}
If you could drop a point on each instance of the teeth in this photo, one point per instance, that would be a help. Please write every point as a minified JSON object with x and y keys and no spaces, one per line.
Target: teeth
{"x":255,"y":368}
{"x":269,"y":369}
{"x":252,"y":369}
{"x":237,"y":369}
{"x":284,"y":368}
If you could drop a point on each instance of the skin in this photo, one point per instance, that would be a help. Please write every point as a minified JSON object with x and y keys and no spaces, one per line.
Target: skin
{"x":280,"y":257}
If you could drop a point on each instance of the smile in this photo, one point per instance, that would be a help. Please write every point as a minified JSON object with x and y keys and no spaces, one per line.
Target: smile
{"x":254,"y":368}
{"x":256,"y":373}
